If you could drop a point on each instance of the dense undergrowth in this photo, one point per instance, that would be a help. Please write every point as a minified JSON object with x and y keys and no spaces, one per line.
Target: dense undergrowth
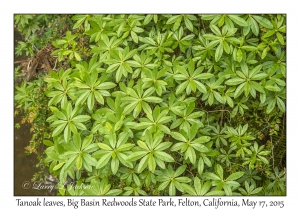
{"x":158,"y":104}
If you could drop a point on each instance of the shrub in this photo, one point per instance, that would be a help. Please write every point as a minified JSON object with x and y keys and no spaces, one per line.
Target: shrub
{"x":161,"y":104}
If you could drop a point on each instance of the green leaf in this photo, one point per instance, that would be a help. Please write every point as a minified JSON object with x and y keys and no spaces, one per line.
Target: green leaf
{"x":271,"y":106}
{"x":263,"y":21}
{"x":181,"y":87}
{"x":211,"y":176}
{"x":239,"y":55}
{"x":104,"y":146}
{"x":143,"y":125}
{"x":91,"y":101}
{"x":226,"y":47}
{"x":263,"y":159}
{"x":58,"y":130}
{"x":153,"y":99}
{"x":190,"y":190}
{"x":219,"y":97}
{"x":219,"y":171}
{"x":103,"y":160}
{"x":134,"y":37}
{"x":216,"y":30}
{"x":77,"y":56}
{"x":188,"y":24}
{"x":79,"y":162}
{"x":163,"y":156}
{"x":99,"y":97}
{"x":257,"y":86}
{"x":136,"y":155}
{"x":48,"y":143}
{"x":163,"y":185}
{"x":227,"y":189}
{"x":67,"y":132}
{"x":59,"y":115}
{"x":272,"y":88}
{"x":200,"y":147}
{"x":106,"y":85}
{"x":147,"y":19}
{"x":200,"y":166}
{"x":235,"y":176}
{"x":234,"y":81}
{"x":219,"y":52}
{"x":211,"y":98}
{"x":58,"y":166}
{"x":238,"y":20}
{"x":280,"y":104}
{"x":183,"y":179}
{"x":259,"y":76}
{"x":179,"y":170}
{"x":269,"y":33}
{"x":205,"y":187}
{"x":265,"y":52}
{"x":143,"y":164}
{"x":89,"y":160}
{"x":239,"y":90}
{"x":215,"y":193}
{"x":142,"y":144}
{"x":81,"y":118}
{"x":114,"y":165}
{"x":151,"y":163}
{"x":248,"y":48}
{"x":257,"y":190}
{"x":172,"y":189}
{"x":79,"y":21}
{"x":130,"y":107}
{"x":204,"y":76}
{"x":178,"y":136}
{"x":247,"y":88}
{"x":87,"y":141}
{"x":173,"y":19}
{"x":280,"y":38}
{"x":114,"y":192}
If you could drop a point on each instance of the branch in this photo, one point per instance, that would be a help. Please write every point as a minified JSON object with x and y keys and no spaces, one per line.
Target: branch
{"x":272,"y":148}
{"x":220,"y":110}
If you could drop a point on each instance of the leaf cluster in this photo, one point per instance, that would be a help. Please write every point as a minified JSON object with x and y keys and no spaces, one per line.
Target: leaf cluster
{"x":165,"y":104}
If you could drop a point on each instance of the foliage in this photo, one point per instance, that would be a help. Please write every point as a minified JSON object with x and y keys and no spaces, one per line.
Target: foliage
{"x":161,"y":104}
